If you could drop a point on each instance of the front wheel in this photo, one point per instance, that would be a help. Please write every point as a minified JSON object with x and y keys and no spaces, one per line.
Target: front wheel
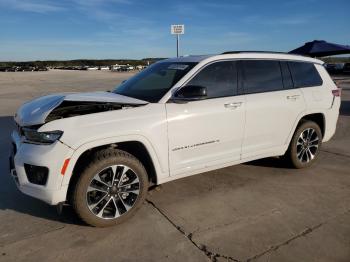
{"x":111,"y":188}
{"x":305,"y":145}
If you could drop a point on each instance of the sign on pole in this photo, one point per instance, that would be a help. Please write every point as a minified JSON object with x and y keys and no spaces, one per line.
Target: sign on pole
{"x":177,"y":30}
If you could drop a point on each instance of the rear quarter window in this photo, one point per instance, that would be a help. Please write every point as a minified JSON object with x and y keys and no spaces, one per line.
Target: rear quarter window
{"x":304,"y":74}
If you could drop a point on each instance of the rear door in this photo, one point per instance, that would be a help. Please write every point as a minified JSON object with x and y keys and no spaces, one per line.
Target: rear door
{"x":272,"y":108}
{"x":306,"y":77}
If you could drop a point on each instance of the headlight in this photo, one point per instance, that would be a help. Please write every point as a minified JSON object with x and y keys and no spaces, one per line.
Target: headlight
{"x":34,"y":136}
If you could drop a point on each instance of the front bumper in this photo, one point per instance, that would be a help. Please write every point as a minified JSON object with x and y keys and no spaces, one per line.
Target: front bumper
{"x":50,"y":156}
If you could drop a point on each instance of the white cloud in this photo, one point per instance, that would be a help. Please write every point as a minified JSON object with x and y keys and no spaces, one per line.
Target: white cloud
{"x":99,"y":3}
{"x":203,"y":9}
{"x":43,"y":7}
{"x":223,"y":5}
{"x":31,"y":6}
{"x":286,"y":20}
{"x":293,"y":21}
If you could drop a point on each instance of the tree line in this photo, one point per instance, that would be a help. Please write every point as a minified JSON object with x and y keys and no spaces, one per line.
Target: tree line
{"x":80,"y":62}
{"x":108,"y":62}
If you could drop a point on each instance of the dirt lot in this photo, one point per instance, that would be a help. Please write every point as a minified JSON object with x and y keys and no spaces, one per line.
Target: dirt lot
{"x":258,"y":211}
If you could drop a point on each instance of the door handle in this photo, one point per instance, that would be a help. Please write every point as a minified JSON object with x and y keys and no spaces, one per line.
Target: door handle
{"x":293,"y":97}
{"x":233,"y":105}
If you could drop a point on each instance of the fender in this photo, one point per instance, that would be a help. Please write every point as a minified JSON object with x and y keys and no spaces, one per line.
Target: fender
{"x":296,"y":122}
{"x":160,"y":172}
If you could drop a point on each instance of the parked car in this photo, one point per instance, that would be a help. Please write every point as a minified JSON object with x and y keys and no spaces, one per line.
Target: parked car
{"x":346,"y":68}
{"x":3,"y":69}
{"x":27,"y":68}
{"x":9,"y":69}
{"x":116,"y":68}
{"x":41,"y":68}
{"x":334,"y":68}
{"x":92,"y":68}
{"x":101,"y":151}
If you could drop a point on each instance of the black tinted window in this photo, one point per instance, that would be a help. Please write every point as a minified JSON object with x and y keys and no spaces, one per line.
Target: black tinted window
{"x":219,"y":78}
{"x":287,"y":79}
{"x":304,"y":74}
{"x":261,"y":76}
{"x":152,"y":83}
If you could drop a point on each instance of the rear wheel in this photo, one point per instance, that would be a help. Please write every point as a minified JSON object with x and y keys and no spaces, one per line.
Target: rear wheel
{"x":111,"y":188}
{"x":305,"y":145}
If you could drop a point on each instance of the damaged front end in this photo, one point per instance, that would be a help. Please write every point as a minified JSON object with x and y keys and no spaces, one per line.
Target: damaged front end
{"x":53,"y":107}
{"x":73,"y":108}
{"x":31,"y":116}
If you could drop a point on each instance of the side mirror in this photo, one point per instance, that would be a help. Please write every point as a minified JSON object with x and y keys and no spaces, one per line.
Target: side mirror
{"x":190,"y":93}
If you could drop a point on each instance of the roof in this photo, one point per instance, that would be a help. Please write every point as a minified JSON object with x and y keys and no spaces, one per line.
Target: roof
{"x":243,"y":55}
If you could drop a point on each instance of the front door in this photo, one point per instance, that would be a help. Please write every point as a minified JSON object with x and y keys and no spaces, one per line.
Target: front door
{"x":208,"y":132}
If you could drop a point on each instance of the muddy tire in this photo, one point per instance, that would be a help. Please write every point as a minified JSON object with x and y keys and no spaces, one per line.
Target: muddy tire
{"x":305,"y":145}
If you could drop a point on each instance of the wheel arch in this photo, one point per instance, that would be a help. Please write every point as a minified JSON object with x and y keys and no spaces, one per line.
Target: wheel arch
{"x":296,"y":158}
{"x":140,"y":148}
{"x":317,"y":117}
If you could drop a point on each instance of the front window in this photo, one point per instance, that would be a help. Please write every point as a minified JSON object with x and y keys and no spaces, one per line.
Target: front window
{"x":220,"y":79}
{"x":155,"y":81}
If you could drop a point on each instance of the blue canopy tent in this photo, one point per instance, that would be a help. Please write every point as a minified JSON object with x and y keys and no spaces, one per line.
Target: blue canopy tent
{"x":320,"y":48}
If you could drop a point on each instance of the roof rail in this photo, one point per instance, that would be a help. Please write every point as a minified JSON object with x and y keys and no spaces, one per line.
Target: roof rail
{"x":250,"y":51}
{"x":263,"y":52}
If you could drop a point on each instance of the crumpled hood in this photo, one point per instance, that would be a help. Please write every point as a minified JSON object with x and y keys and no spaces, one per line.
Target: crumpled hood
{"x":37,"y":110}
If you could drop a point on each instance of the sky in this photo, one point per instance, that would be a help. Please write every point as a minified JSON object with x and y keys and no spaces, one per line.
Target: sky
{"x":116,"y":29}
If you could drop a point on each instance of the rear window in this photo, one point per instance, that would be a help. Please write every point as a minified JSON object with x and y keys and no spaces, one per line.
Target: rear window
{"x":261,"y":76}
{"x":304,"y":74}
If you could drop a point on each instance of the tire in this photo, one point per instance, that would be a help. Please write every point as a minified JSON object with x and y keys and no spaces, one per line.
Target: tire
{"x":101,"y":203}
{"x":304,"y":150}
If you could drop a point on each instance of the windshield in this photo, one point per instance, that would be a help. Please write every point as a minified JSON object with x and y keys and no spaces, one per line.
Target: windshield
{"x":154,"y":82}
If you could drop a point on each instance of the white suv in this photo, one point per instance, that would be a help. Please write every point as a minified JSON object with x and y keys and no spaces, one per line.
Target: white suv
{"x":101,"y":151}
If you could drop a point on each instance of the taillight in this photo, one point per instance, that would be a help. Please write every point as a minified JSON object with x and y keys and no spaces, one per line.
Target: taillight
{"x":336,"y":92}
